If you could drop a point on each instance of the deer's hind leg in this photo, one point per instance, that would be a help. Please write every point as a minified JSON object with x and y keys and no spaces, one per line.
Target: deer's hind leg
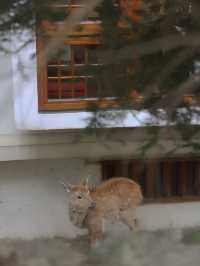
{"x":128,"y":217}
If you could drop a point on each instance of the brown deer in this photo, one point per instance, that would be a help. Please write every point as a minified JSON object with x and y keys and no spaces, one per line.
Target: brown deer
{"x":113,"y":200}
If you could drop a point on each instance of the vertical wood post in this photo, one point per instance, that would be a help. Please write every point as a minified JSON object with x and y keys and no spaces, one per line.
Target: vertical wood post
{"x":183,"y":178}
{"x":167,"y":178}
{"x":136,"y":170}
{"x":197,"y":178}
{"x":151,"y":178}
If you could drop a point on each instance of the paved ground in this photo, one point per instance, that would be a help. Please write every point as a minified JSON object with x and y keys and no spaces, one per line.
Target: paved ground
{"x":165,"y":248}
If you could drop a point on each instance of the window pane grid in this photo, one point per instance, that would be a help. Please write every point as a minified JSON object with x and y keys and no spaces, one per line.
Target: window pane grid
{"x":68,"y":77}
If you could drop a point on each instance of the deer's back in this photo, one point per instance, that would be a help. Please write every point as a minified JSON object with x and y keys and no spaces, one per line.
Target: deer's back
{"x":117,"y":193}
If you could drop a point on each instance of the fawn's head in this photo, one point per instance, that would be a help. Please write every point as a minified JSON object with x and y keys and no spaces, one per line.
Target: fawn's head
{"x":80,"y":202}
{"x":79,"y":196}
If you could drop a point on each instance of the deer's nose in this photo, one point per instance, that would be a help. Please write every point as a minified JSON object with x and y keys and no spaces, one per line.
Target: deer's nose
{"x":93,"y":205}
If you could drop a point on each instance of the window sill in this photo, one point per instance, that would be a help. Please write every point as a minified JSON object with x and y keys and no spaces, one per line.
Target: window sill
{"x":77,"y":105}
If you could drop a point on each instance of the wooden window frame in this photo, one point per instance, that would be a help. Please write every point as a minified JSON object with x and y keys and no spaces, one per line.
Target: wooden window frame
{"x":90,"y":34}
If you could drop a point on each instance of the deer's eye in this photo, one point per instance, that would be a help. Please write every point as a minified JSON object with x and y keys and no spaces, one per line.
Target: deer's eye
{"x":79,"y":197}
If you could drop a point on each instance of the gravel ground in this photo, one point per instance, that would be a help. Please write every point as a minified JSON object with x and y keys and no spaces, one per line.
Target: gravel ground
{"x":163,"y":248}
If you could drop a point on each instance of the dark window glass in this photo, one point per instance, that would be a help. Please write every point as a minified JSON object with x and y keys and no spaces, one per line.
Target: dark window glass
{"x":79,"y":88}
{"x":67,"y":89}
{"x":91,"y":88}
{"x":79,"y":54}
{"x":53,"y":89}
{"x":52,"y":71}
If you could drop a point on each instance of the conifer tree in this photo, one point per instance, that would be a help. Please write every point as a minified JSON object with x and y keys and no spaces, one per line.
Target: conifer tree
{"x":151,"y":49}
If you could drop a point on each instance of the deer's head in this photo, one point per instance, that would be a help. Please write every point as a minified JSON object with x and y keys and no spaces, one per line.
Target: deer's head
{"x":80,"y":201}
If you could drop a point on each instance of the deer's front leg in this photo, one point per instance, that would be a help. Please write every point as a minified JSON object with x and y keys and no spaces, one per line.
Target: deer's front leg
{"x":95,"y":229}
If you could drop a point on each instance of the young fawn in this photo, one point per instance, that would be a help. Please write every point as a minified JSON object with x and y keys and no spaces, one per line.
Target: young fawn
{"x":113,"y":200}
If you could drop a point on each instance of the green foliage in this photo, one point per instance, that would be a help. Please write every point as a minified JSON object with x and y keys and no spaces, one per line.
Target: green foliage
{"x":120,"y":75}
{"x":18,"y":15}
{"x":124,"y":68}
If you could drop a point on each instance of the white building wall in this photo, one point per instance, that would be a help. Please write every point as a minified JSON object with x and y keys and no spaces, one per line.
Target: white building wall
{"x":7,"y":119}
{"x":33,"y":204}
{"x":32,"y":201}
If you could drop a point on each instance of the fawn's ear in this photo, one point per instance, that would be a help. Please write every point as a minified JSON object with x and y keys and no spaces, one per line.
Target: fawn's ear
{"x":85,"y":183}
{"x":68,"y":187}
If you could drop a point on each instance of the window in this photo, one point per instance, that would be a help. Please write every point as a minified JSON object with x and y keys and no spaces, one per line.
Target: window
{"x":166,"y":180}
{"x":66,"y":80}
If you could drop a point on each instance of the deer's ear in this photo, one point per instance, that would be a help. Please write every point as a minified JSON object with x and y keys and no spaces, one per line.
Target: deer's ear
{"x":68,"y":187}
{"x":85,"y":183}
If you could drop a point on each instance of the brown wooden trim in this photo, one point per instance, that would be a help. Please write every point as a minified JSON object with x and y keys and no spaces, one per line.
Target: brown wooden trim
{"x":41,"y":74}
{"x":109,"y":169}
{"x":83,"y":29}
{"x":67,"y":6}
{"x":136,"y":170}
{"x":84,"y":40}
{"x":151,"y":178}
{"x":167,"y":177}
{"x":74,"y":105}
{"x":177,"y":199}
{"x":182,"y":183}
{"x":68,"y":77}
{"x":95,"y":40}
{"x":197,"y":178}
